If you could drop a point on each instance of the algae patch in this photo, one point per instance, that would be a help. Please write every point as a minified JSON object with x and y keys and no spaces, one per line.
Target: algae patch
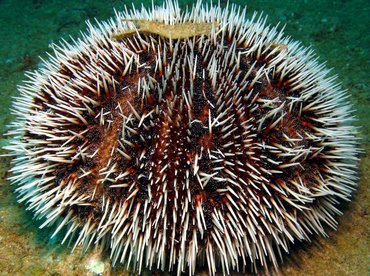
{"x":176,"y":31}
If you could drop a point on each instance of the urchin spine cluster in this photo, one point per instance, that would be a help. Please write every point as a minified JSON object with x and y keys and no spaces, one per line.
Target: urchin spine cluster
{"x":218,"y":149}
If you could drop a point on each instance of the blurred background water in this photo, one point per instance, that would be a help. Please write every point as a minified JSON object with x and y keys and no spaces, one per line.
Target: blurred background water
{"x":337,"y":30}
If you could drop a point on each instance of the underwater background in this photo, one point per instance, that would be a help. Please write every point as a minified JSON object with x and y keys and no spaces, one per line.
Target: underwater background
{"x":339,"y":33}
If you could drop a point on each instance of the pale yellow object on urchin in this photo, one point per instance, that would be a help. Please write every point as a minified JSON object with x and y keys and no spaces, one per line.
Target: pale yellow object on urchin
{"x":177,"y":139}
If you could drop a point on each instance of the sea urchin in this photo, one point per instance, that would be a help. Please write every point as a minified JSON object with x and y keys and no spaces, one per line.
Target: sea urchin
{"x":176,"y":140}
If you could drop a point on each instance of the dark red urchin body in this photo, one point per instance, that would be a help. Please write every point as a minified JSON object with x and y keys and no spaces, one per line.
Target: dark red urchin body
{"x":217,"y":148}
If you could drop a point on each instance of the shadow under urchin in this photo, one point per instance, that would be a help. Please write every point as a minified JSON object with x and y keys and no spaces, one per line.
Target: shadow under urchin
{"x":176,"y":140}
